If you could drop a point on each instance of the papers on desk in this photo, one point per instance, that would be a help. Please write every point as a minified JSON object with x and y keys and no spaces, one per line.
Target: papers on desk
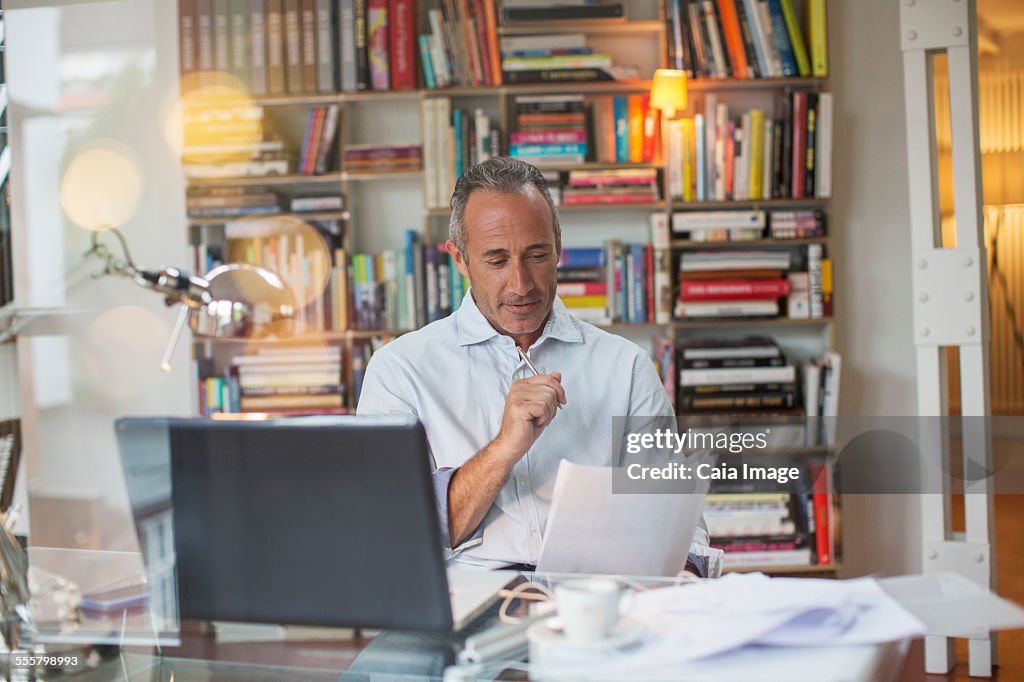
{"x":697,"y":622}
{"x":591,"y":530}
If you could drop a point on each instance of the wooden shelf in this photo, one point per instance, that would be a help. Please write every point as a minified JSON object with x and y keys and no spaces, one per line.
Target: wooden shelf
{"x":325,"y":179}
{"x":740,"y":244}
{"x":582,"y":26}
{"x":752,"y":322}
{"x":632,"y":85}
{"x":301,"y":215}
{"x":748,"y":203}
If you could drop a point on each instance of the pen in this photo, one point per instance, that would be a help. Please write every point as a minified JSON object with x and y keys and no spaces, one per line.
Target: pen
{"x":532,"y":368}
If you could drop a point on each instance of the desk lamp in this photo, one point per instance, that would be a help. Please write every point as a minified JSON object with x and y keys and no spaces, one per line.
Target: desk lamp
{"x":668,"y":93}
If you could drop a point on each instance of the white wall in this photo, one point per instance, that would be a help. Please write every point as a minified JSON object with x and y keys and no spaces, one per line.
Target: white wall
{"x":870,"y":222}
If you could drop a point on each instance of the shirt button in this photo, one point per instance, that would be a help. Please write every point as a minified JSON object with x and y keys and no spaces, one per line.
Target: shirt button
{"x":533,"y":530}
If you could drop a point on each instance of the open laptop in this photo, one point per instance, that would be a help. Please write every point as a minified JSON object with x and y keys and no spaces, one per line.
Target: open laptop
{"x":327,"y":521}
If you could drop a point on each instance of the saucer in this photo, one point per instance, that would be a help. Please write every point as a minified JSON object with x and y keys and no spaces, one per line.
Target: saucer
{"x":626,"y":632}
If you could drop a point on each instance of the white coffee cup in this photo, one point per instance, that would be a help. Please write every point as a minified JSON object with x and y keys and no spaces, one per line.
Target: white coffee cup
{"x":589,"y":607}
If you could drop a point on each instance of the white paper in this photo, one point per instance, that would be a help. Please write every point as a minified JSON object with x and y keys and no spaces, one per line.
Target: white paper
{"x":953,"y":606}
{"x":592,"y":530}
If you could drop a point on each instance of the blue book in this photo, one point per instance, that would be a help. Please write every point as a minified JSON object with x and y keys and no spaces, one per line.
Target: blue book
{"x":574,"y":51}
{"x":545,"y":149}
{"x":621,"y":106}
{"x":428,"y":67}
{"x":637,"y":285}
{"x":789,"y":67}
{"x":581,"y":258}
{"x":458,"y":131}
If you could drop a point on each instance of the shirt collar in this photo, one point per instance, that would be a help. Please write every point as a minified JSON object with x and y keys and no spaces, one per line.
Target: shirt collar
{"x":474,"y":328}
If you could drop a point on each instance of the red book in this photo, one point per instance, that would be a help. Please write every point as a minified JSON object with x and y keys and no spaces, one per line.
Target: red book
{"x":820,"y":475}
{"x":733,"y":290}
{"x":480,"y":24}
{"x":491,"y":21}
{"x":402,"y":24}
{"x":652,"y":118}
{"x":799,"y":144}
{"x":730,"y":152}
{"x":608,"y":199}
{"x":582,"y":288}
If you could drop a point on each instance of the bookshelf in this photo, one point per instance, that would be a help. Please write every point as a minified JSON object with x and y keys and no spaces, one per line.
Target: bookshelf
{"x":380,"y":208}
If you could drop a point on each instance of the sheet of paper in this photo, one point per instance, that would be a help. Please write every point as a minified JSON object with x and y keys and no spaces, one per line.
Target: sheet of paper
{"x":951,"y":605}
{"x":592,"y":530}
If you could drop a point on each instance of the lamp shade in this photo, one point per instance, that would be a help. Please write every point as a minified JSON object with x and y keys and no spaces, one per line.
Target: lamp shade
{"x":668,"y":90}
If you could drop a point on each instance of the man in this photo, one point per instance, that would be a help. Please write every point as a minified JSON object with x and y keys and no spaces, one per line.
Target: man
{"x":497,"y":432}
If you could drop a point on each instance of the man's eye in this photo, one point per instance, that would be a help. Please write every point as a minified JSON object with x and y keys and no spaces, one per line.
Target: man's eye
{"x":539,"y":257}
{"x":496,"y":263}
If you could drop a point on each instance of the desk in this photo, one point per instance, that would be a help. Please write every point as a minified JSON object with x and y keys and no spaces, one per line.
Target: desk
{"x":200,"y":656}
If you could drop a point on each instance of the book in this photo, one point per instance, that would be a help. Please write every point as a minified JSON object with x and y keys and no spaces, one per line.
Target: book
{"x":325,"y":51}
{"x":402,"y":42}
{"x":378,"y":38}
{"x":560,"y":12}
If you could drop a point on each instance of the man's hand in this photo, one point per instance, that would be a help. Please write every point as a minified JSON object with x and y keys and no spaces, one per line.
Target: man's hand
{"x":530,"y":406}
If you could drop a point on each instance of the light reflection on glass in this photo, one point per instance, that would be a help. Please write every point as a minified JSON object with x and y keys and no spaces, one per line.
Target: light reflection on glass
{"x":102,"y":186}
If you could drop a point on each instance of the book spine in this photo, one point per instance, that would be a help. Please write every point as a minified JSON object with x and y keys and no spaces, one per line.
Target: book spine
{"x":346,"y":44}
{"x":238,"y":18}
{"x":796,"y":38}
{"x":307,"y":25}
{"x":362,"y":54}
{"x":757,"y":36}
{"x":293,"y":47}
{"x":711,"y":23}
{"x":755,"y":145}
{"x":257,"y":47}
{"x":818,"y":36}
{"x":730,"y":26}
{"x":789,"y":65}
{"x":810,"y":157}
{"x":799,"y":136}
{"x":814,"y":257}
{"x":403,"y":44}
{"x":326,"y":71}
{"x":187,"y":64}
{"x":823,"y":158}
{"x":204,"y":37}
{"x":425,"y":59}
{"x":377,"y":32}
{"x":221,"y":37}
{"x":771,"y":45}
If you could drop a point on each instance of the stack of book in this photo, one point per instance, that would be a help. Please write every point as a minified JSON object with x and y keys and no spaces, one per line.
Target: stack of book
{"x":821,"y":385}
{"x":612,"y":186}
{"x":230,"y":142}
{"x":319,"y":148}
{"x":735,"y":375}
{"x":810,"y":285}
{"x":557,"y":58}
{"x":717,"y":156}
{"x":290,"y":380}
{"x":761,"y":529}
{"x":462,"y":45}
{"x":583,"y":283}
{"x":383,"y":158}
{"x":732,"y":283}
{"x":299,"y":47}
{"x":228,"y":202}
{"x":624,"y":128}
{"x":796,"y":224}
{"x":746,"y":38}
{"x":550,"y":130}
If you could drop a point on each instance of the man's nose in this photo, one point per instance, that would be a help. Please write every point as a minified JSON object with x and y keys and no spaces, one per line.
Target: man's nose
{"x":520,"y":283}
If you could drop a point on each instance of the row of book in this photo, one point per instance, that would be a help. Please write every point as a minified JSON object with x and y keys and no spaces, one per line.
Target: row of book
{"x":720,"y":284}
{"x":614,"y":283}
{"x":747,"y":38}
{"x":747,"y":225}
{"x":254,"y":200}
{"x":461,"y":47}
{"x":611,"y":186}
{"x":397,"y":289}
{"x":453,"y":141}
{"x":624,"y":129}
{"x":277,"y":47}
{"x":715,"y":156}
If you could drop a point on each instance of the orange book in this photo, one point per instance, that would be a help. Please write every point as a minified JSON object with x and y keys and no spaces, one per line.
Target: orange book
{"x":635,"y":116}
{"x":733,"y":38}
{"x":491,"y":20}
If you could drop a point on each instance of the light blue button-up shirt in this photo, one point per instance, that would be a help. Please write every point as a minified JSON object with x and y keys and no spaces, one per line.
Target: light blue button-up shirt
{"x":454,"y":374}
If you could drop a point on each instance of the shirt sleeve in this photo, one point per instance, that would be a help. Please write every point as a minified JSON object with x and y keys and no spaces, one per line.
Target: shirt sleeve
{"x":387,"y":392}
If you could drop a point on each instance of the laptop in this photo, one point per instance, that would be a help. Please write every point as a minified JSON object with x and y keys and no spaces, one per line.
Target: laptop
{"x":323,"y":521}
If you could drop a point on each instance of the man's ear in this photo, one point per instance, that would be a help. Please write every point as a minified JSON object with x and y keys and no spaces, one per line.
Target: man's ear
{"x":460,"y":261}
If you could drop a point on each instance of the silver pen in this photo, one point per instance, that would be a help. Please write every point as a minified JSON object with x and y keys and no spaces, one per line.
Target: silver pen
{"x":532,"y":368}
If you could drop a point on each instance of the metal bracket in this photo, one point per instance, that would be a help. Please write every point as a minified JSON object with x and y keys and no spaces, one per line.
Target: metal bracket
{"x":972,"y":560}
{"x":934,"y":24}
{"x":947,"y":285}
